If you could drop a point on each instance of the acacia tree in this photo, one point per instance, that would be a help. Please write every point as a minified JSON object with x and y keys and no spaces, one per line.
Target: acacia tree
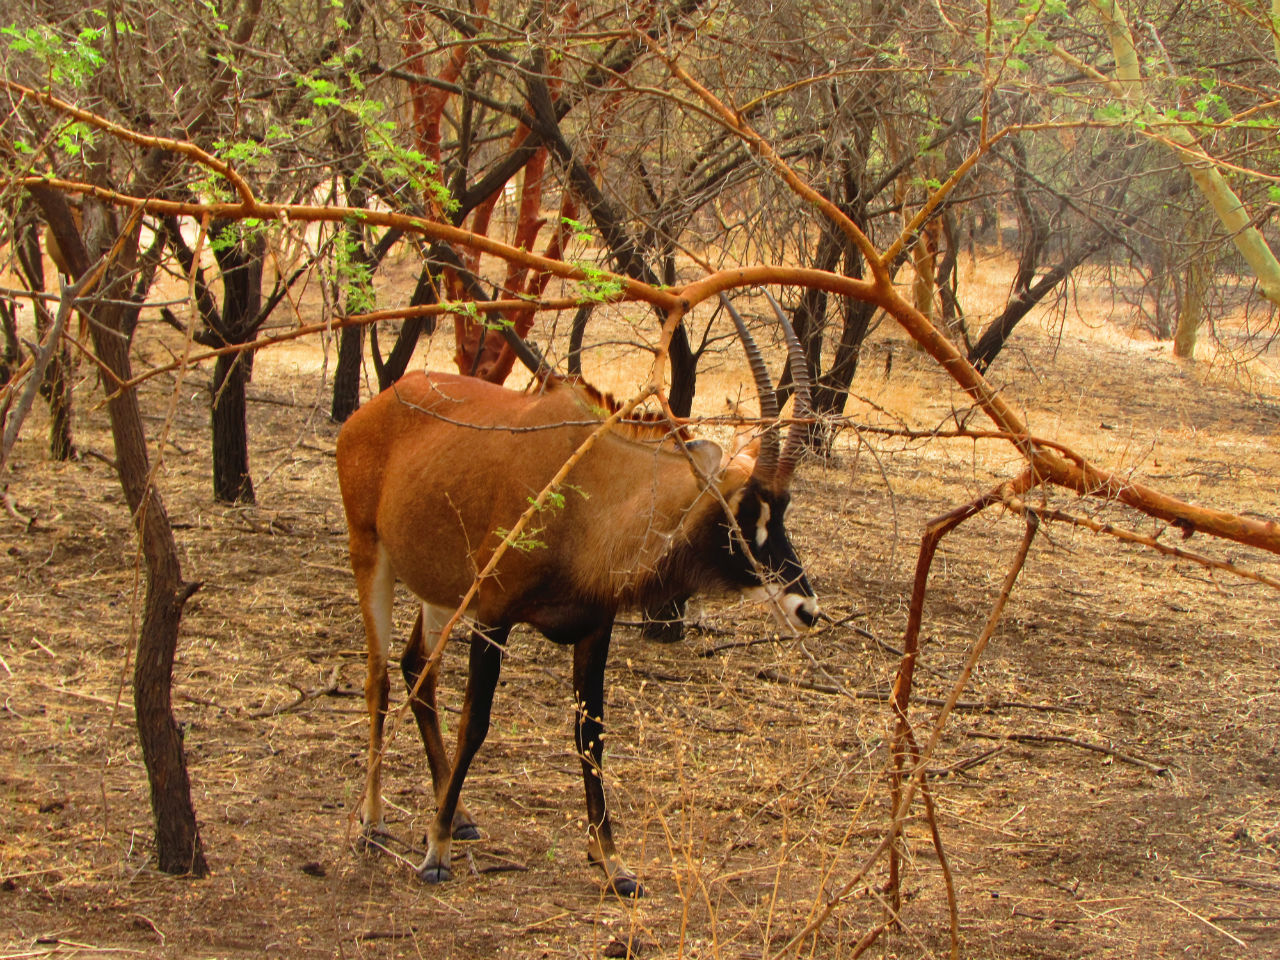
{"x":1185,"y":89}
{"x":80,"y":52}
{"x":513,"y":122}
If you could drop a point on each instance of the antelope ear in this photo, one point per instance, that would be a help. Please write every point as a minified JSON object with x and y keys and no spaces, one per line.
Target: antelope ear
{"x":707,"y":457}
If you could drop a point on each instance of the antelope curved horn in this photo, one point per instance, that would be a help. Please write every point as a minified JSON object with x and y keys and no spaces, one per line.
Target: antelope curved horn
{"x":766,"y":467}
{"x":803,"y":407}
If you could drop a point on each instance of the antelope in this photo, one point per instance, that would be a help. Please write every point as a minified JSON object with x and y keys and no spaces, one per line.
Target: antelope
{"x":436,"y":469}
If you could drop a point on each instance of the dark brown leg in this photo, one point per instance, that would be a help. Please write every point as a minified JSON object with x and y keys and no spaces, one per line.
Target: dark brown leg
{"x":589,"y":656}
{"x":428,"y":717}
{"x":486,"y":663}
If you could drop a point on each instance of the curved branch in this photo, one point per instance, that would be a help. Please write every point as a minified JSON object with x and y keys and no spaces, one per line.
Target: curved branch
{"x":182,"y":147}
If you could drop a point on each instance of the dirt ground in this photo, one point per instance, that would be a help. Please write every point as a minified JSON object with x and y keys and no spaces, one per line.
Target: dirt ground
{"x":1111,"y":787}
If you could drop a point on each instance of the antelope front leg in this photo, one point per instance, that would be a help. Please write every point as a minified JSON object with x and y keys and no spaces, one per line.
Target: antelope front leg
{"x":589,"y":656}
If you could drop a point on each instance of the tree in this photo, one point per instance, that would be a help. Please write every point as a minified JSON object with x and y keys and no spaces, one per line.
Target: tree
{"x":111,"y":252}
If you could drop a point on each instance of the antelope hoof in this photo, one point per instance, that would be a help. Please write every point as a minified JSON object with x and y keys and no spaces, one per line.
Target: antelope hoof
{"x":626,"y":886}
{"x":435,"y":873}
{"x":463,"y":827}
{"x":370,"y":840}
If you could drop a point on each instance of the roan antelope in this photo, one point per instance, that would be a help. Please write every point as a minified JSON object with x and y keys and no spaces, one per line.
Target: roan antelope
{"x":438,"y":467}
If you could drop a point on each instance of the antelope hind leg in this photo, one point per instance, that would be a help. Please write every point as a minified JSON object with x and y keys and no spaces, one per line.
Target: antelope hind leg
{"x":431,"y":620}
{"x":473,"y":726}
{"x":375,"y":582}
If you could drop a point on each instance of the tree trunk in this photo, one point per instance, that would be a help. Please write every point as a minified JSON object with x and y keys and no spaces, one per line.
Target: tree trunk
{"x":832,"y":389}
{"x":346,"y":375}
{"x":1191,"y":307}
{"x":241,"y":260}
{"x":178,"y":845}
{"x":1184,"y":141}
{"x":232,"y":482}
{"x":9,"y":361}
{"x":55,"y":385}
{"x":622,"y":246}
{"x":577,"y":334}
{"x":1000,"y":329}
{"x":397,"y":361}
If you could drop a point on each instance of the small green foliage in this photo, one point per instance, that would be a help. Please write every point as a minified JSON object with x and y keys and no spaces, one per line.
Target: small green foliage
{"x":323,"y":92}
{"x":396,"y":162}
{"x":76,"y":137}
{"x":237,"y":232}
{"x":493,"y":321}
{"x":525,"y":543}
{"x":1111,"y":112}
{"x":352,"y":272}
{"x":598,"y":286}
{"x":66,"y":61}
{"x":242,"y":153}
{"x":581,"y":232}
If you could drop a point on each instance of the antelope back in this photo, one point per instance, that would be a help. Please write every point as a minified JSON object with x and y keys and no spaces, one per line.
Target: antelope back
{"x":439,"y":467}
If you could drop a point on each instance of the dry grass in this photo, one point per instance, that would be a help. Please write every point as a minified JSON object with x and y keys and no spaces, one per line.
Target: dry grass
{"x":738,"y":798}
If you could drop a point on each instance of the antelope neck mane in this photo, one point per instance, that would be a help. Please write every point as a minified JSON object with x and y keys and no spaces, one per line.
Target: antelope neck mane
{"x":642,"y":425}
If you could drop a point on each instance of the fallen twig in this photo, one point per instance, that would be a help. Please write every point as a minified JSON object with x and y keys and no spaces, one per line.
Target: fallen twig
{"x":960,"y":766}
{"x":388,"y":934}
{"x":303,"y":696}
{"x":1205,"y":920}
{"x":1073,"y":742}
{"x":883,"y":696}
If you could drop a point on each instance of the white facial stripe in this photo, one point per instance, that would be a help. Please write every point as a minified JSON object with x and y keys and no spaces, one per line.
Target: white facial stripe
{"x":784,"y":606}
{"x":793,"y":603}
{"x":762,"y":525}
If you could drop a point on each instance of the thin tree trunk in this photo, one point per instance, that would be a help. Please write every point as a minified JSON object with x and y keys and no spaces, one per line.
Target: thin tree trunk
{"x":232,"y":482}
{"x":1191,"y":305}
{"x":12,"y":352}
{"x":55,"y":384}
{"x":397,"y":361}
{"x":577,"y":334}
{"x":240,"y":261}
{"x":178,"y":845}
{"x":1000,"y":329}
{"x":346,"y":375}
{"x":622,"y":246}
